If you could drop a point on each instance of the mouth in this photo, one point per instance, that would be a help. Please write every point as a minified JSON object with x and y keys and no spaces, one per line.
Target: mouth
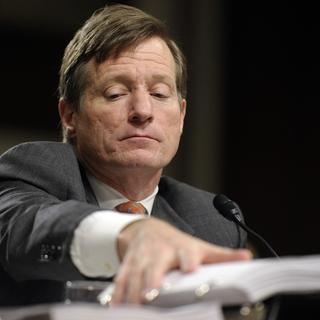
{"x":139,"y":137}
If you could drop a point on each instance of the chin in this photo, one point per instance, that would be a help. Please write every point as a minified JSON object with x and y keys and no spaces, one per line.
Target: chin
{"x":144,"y":160}
{"x":143,"y":164}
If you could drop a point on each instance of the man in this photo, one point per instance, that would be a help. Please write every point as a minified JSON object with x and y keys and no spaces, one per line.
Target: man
{"x":122,"y":107}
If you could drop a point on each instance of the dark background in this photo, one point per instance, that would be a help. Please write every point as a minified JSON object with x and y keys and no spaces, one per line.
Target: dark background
{"x":273,"y":121}
{"x":252,"y":127}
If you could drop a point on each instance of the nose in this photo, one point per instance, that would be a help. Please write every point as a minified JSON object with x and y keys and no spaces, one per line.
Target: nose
{"x":141,"y":110}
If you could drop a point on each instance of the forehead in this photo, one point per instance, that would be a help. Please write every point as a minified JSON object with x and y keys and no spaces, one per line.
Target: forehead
{"x":152,"y":56}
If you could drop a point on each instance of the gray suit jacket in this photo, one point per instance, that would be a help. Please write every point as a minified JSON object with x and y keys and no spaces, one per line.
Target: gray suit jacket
{"x":44,"y":194}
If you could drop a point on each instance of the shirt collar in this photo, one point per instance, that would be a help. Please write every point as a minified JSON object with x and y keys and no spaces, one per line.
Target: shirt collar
{"x":109,"y":198}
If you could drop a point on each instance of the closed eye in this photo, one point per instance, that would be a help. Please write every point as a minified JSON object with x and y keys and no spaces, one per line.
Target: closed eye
{"x":159,"y":95}
{"x":114,"y":97}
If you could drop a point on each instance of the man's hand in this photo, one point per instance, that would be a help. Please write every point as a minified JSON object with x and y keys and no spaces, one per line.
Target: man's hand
{"x":149,"y":248}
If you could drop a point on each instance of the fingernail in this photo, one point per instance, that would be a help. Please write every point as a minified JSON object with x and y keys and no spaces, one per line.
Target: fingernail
{"x":105,"y":297}
{"x":151,"y":294}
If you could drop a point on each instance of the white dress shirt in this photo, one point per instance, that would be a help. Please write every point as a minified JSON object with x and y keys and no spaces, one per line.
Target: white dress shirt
{"x":94,"y":245}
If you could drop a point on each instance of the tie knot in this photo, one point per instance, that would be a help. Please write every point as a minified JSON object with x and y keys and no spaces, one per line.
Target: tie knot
{"x":131,"y":207}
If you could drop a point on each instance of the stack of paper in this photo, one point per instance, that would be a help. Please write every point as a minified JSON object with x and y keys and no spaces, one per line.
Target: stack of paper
{"x":235,"y":283}
{"x":88,"y":311}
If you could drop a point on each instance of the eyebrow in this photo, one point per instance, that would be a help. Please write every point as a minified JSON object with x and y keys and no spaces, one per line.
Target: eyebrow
{"x":124,"y":78}
{"x":162,"y":78}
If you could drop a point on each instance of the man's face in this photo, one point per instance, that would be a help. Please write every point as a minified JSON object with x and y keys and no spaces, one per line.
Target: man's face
{"x":130,"y":114}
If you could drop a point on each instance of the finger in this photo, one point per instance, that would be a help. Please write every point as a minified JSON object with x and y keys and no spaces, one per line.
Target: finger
{"x":154,"y":274}
{"x":130,"y":280}
{"x":120,"y":282}
{"x":135,"y":284}
{"x":219,"y":254}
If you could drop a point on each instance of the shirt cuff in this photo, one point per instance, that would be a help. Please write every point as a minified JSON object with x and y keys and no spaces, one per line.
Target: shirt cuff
{"x":94,"y":245}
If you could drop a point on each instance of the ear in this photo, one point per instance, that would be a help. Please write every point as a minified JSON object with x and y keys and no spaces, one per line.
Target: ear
{"x":183,"y":107}
{"x":67,"y":117}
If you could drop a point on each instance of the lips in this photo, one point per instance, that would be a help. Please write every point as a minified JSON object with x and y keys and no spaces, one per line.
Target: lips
{"x":137,"y":136}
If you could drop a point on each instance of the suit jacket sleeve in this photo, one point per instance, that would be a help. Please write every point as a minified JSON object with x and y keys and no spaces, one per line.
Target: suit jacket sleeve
{"x":42,"y":200}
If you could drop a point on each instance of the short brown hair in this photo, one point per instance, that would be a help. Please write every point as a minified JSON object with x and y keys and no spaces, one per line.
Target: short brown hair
{"x":108,"y":32}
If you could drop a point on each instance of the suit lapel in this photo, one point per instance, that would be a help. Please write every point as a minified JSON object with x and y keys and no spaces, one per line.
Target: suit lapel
{"x":90,"y":196}
{"x":162,"y":210}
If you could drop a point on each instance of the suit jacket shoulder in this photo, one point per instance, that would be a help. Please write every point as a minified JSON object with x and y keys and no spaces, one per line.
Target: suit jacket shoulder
{"x":195,"y":207}
{"x":50,"y":166}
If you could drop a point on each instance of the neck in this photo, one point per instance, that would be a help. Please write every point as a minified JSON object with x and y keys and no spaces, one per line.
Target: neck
{"x":133,"y":183}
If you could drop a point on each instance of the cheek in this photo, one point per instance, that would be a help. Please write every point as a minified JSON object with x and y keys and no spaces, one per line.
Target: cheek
{"x":98,"y":124}
{"x":172,"y":128}
{"x":174,"y":121}
{"x":97,"y":134}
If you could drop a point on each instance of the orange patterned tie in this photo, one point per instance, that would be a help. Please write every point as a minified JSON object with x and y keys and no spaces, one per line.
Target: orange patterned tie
{"x":131,"y":207}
